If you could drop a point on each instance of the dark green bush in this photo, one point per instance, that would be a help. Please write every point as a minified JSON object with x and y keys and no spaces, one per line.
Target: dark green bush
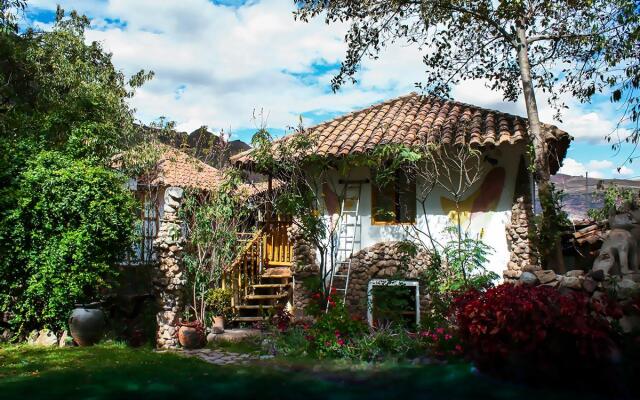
{"x":73,"y":221}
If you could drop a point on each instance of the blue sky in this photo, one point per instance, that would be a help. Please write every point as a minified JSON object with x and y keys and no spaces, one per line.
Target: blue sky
{"x":236,"y":65}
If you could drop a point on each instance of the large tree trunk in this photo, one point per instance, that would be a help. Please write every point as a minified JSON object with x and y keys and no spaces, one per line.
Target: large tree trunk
{"x":551,"y":256}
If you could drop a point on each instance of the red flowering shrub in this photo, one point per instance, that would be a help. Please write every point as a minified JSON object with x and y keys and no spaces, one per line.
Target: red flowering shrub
{"x":333,"y":330}
{"x":439,"y":342}
{"x":509,"y":329}
{"x":282,"y":320}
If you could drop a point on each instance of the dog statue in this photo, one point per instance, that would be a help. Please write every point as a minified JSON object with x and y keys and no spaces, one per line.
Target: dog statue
{"x":622,"y":246}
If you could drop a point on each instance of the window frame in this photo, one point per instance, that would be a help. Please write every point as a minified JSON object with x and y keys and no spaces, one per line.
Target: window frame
{"x":396,"y":197}
{"x":147,"y":254}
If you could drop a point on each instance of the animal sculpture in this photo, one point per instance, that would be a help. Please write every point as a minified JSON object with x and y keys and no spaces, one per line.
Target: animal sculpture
{"x":620,"y":251}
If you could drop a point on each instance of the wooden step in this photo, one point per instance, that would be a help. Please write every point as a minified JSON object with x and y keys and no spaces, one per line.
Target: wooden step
{"x":254,"y":306}
{"x":249,"y":319}
{"x":270,"y":285}
{"x":277,"y":272}
{"x":266,"y":296}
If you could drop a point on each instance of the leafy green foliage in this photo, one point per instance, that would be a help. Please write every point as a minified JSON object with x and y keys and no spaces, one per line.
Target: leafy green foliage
{"x":72,"y":223}
{"x":213,"y":220}
{"x":218,"y":301}
{"x":65,"y":216}
{"x":615,"y":198}
{"x":334,"y":330}
{"x":549,"y":229}
{"x":466,"y":258}
{"x":596,"y":41}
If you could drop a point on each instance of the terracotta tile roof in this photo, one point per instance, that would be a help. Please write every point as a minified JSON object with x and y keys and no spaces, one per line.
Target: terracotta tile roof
{"x":414,"y":119}
{"x":176,"y":168}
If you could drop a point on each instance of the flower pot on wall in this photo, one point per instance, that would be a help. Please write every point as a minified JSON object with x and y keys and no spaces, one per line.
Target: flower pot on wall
{"x":218,"y":324}
{"x":87,"y":324}
{"x":191,"y":335}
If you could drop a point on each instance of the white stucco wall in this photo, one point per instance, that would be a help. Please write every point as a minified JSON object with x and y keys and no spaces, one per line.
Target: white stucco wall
{"x":492,"y":223}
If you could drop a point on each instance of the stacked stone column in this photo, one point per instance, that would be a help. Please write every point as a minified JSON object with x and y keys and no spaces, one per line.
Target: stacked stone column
{"x":169,"y":278}
{"x":304,"y":266}
{"x":523,"y":256}
{"x":520,"y":231}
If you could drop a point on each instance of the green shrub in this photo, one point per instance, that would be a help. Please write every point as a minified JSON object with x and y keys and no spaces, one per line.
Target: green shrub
{"x":334,"y":330}
{"x":383,"y":344}
{"x":73,"y":221}
{"x":218,"y":301}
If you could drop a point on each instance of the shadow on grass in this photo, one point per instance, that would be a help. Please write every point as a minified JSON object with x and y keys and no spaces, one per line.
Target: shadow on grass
{"x":112,"y":372}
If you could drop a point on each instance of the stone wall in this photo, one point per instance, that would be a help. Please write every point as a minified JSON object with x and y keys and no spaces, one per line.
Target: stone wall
{"x":169,"y":278}
{"x":523,"y":256}
{"x":595,"y":284}
{"x":383,"y":260}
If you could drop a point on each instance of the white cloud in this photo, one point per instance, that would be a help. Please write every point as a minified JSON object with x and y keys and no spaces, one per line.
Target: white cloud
{"x":598,"y":169}
{"x":215,"y":64}
{"x":624,"y":170}
{"x":600,"y":164}
{"x":572,"y":167}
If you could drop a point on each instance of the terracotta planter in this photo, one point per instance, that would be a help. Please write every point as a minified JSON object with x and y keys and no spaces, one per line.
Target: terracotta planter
{"x":87,"y":325}
{"x":218,"y":325}
{"x":190,"y":337}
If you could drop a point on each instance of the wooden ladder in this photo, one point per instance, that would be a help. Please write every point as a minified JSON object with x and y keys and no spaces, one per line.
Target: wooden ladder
{"x":347,"y":235}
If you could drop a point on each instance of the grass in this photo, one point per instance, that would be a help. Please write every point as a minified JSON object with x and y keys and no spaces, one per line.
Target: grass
{"x":118,"y":372}
{"x":249,"y":345}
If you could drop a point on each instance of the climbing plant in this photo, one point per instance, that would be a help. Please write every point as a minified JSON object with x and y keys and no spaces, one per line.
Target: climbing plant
{"x":213,"y":219}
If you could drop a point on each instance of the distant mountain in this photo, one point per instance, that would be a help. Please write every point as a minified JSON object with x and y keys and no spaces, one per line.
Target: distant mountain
{"x":205,"y":145}
{"x":582,"y":194}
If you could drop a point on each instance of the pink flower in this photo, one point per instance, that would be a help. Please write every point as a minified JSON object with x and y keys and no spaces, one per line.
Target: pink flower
{"x":341,"y":342}
{"x":447,"y":337}
{"x":440,"y":331}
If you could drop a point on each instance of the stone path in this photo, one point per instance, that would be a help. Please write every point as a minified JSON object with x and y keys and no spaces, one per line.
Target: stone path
{"x":221,"y":357}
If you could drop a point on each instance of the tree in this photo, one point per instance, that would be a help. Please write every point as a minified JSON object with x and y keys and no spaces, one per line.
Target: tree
{"x":553,"y":46}
{"x":65,"y":215}
{"x":71,"y":225}
{"x":212,"y":219}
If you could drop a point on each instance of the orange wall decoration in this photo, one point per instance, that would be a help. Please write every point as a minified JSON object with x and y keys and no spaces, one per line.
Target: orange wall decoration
{"x":483,"y":199}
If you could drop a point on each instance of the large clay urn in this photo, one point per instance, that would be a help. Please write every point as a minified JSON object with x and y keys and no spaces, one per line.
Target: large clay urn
{"x":191,"y":335}
{"x":87,"y":324}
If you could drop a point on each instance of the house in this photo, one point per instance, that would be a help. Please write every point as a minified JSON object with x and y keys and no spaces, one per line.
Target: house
{"x":496,"y":208}
{"x":160,"y":189}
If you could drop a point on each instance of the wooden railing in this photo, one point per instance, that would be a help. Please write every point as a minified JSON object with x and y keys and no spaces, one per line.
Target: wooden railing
{"x":245,"y":270}
{"x":276,"y":244}
{"x":268,"y":247}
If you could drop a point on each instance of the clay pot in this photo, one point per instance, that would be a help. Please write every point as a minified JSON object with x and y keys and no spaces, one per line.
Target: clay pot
{"x":87,"y":325}
{"x":218,"y":325}
{"x":190,"y":337}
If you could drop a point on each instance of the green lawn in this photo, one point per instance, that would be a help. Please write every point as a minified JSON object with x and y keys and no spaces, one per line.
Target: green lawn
{"x":116,"y":372}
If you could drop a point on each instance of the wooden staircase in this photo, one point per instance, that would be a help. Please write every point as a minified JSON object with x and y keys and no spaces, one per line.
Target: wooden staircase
{"x":267,"y":297}
{"x":260,"y":276}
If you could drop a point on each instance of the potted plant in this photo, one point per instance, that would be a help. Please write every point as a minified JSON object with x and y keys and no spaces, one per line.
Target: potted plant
{"x":191,"y":334}
{"x":219,"y":303}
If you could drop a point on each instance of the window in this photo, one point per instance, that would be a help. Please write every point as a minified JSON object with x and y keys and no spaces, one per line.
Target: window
{"x":395,"y":202}
{"x":146,"y":229}
{"x":393,"y":301}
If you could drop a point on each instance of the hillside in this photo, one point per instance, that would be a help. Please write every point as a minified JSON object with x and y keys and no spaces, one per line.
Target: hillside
{"x":581,"y":194}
